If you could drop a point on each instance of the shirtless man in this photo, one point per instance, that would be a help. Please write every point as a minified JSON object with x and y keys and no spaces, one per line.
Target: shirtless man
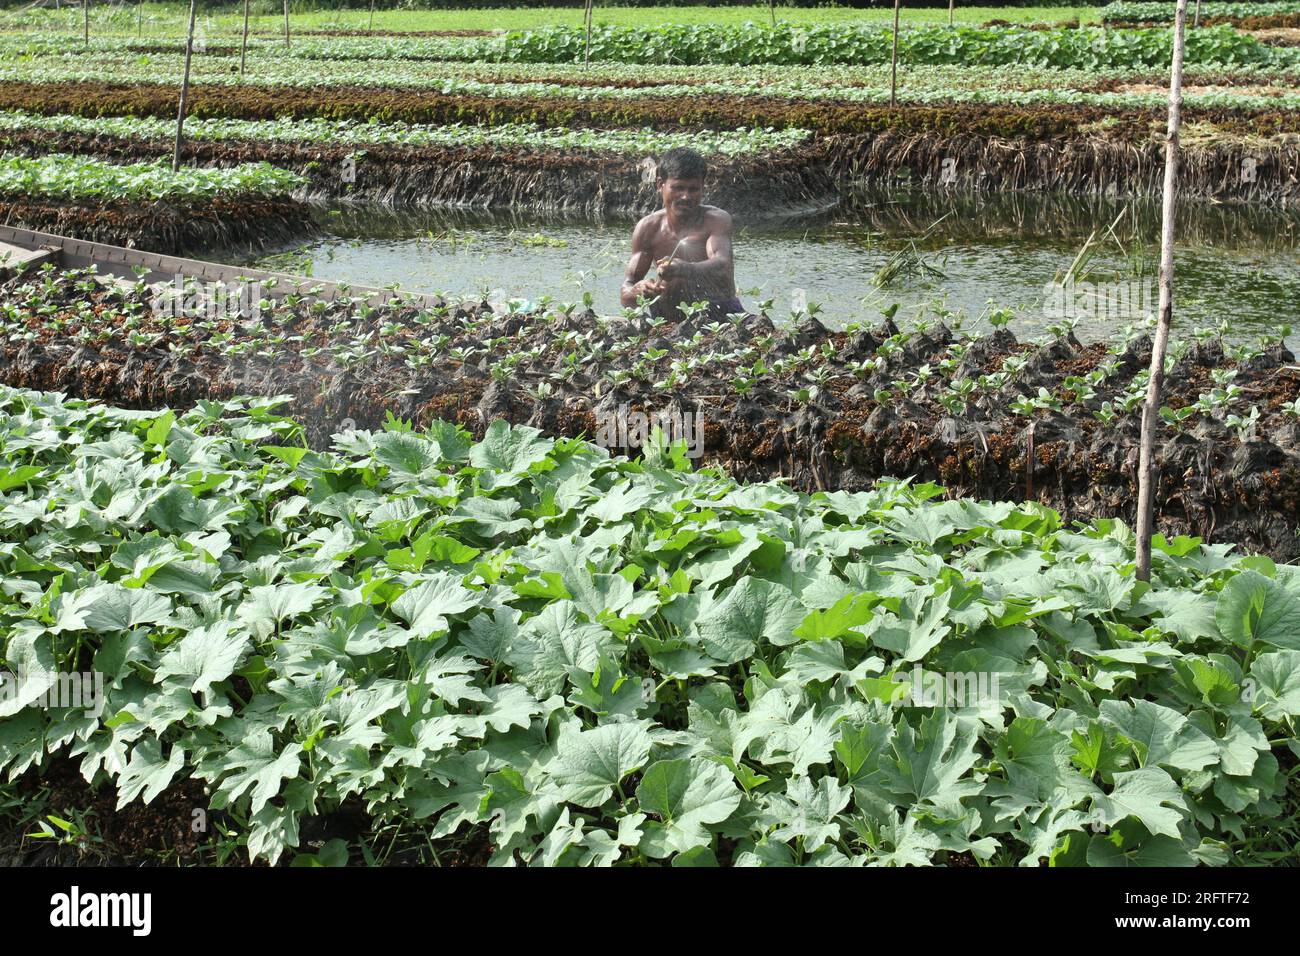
{"x":688,"y":242}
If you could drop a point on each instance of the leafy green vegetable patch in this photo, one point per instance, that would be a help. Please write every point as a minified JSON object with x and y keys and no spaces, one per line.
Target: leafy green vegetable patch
{"x":603,"y":661}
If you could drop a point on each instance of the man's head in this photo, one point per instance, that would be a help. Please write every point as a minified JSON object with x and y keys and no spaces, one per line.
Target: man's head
{"x":679,"y":177}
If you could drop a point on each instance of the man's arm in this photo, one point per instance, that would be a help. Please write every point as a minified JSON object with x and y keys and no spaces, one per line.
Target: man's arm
{"x":635,"y":284}
{"x":717,"y":264}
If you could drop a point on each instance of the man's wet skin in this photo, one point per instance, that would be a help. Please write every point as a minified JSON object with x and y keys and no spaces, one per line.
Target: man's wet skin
{"x":689,"y":244}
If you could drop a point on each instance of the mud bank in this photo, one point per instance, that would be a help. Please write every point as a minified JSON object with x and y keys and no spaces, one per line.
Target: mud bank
{"x":221,"y":224}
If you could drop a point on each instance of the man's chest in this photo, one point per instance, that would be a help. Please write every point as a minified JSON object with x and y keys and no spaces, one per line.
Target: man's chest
{"x":688,"y":244}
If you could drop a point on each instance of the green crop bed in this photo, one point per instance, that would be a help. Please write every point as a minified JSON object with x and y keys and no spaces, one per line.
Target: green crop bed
{"x":751,"y":45}
{"x":83,"y":180}
{"x":917,"y":85}
{"x":1149,"y":12}
{"x":508,"y":136}
{"x":595,"y":661}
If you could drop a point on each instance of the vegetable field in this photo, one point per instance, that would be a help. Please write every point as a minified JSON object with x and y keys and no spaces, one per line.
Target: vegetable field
{"x":513,"y":580}
{"x":595,"y":661}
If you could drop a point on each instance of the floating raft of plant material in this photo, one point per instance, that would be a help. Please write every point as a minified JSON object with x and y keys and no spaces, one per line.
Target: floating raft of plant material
{"x":595,"y":172}
{"x":147,"y":205}
{"x":1086,"y":149}
{"x":520,"y":651}
{"x":981,"y":414}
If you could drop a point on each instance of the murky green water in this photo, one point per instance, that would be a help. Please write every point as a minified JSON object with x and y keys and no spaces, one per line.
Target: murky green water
{"x":923,"y":251}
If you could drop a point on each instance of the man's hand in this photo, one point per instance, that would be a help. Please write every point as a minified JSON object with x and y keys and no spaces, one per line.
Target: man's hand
{"x":649,"y":288}
{"x":670,"y":270}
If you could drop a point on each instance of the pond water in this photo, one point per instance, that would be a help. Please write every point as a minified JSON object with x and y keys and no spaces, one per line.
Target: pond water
{"x":924,"y":251}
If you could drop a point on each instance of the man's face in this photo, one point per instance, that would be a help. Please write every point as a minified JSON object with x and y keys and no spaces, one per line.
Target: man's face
{"x":681,"y":195}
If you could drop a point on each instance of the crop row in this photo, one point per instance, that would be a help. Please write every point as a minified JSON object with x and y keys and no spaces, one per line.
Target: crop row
{"x":346,"y":133}
{"x":81,"y":179}
{"x":749,"y":45}
{"x":1127,"y":11}
{"x":281,"y":62}
{"x":1086,"y":48}
{"x":599,"y":662}
{"x":593,"y":182}
{"x":926,"y":88}
{"x":1041,"y":120}
{"x":854,"y":145}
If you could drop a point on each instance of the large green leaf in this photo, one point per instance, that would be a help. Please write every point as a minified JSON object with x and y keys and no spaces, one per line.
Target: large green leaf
{"x":407,"y":454}
{"x":507,"y":452}
{"x":751,"y":612}
{"x":930,"y":765}
{"x":1277,"y":676}
{"x":33,"y":672}
{"x":427,"y":606}
{"x":257,"y":768}
{"x":1252,"y":608}
{"x":591,"y":763}
{"x":147,"y":772}
{"x":1149,"y":795}
{"x":111,"y":607}
{"x":203,"y":657}
{"x":687,"y":796}
{"x":1160,"y":735}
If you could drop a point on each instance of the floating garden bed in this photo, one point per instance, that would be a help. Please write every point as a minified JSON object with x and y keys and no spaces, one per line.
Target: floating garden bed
{"x":807,"y":153}
{"x":149,"y":206}
{"x":598,"y":172}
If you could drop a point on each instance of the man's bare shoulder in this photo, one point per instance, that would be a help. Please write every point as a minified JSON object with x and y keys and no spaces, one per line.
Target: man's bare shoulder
{"x":719,"y":220}
{"x":649,"y":224}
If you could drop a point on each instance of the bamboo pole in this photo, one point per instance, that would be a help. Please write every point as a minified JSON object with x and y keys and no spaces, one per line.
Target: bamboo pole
{"x":372,"y":16}
{"x":951,"y":3}
{"x":893,"y":62}
{"x":1151,"y":410}
{"x":185,"y":90}
{"x":85,"y":21}
{"x":771,"y":8}
{"x":586,"y":19}
{"x":243,"y":46}
{"x":1197,"y":21}
{"x":286,"y":24}
{"x":139,"y":19}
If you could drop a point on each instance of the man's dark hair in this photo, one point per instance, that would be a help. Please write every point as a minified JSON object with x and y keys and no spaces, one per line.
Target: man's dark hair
{"x":681,"y":163}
